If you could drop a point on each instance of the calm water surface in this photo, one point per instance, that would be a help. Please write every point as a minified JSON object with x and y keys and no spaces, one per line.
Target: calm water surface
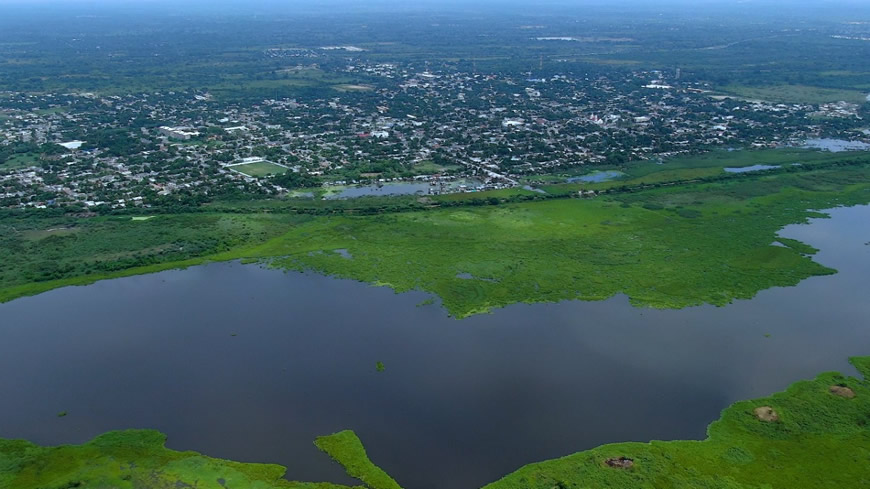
{"x":388,"y":189}
{"x":461,"y":403}
{"x":836,"y":145}
{"x":402,"y":188}
{"x":745,"y":169}
{"x":596,"y":177}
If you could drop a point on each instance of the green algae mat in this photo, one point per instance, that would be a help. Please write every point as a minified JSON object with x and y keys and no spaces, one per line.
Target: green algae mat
{"x":815,"y":435}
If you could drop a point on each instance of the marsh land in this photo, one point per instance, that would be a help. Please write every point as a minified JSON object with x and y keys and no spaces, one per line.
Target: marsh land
{"x":249,"y":363}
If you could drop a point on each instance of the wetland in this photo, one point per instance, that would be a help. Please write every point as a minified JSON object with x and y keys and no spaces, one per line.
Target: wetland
{"x":251,"y":363}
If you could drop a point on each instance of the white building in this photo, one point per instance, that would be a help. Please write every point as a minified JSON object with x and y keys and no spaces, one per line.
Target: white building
{"x":183,"y":133}
{"x":72,"y":144}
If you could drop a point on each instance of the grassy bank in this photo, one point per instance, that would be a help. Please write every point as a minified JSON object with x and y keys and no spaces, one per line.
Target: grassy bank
{"x":813,"y":435}
{"x":43,"y":254}
{"x":346,"y":448}
{"x":132,"y":459}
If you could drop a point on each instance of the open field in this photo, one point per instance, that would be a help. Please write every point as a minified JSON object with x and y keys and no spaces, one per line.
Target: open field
{"x":20,"y":161}
{"x":797,"y":94}
{"x":429,"y":168}
{"x":813,"y":435}
{"x":261,"y":169}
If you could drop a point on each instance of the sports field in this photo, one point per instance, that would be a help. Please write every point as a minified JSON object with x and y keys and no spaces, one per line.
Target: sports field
{"x":260,"y":169}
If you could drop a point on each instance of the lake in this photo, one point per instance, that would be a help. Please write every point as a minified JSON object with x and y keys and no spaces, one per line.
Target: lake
{"x":460,"y":403}
{"x":596,"y":176}
{"x":745,"y":169}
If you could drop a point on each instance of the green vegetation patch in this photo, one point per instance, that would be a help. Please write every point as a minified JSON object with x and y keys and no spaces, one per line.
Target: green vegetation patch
{"x":798,"y":94}
{"x":813,"y":435}
{"x":429,"y":167}
{"x":42,"y":254}
{"x":40,"y":234}
{"x":488,"y":196}
{"x":797,"y":245}
{"x":131,"y":460}
{"x":20,"y":161}
{"x":688,"y":168}
{"x":347,"y":449}
{"x":669,"y":247}
{"x":664,"y":246}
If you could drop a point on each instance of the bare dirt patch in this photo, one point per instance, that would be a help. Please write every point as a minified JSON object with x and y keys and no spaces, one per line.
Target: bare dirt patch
{"x":766,"y":413}
{"x":839,"y":390}
{"x":619,"y":462}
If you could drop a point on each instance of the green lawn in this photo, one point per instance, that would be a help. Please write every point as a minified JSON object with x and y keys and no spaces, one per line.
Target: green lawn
{"x":261,"y":169}
{"x":430,"y":168}
{"x":20,"y":161}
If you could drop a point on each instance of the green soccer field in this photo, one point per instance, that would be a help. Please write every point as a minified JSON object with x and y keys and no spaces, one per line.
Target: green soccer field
{"x":260,"y":169}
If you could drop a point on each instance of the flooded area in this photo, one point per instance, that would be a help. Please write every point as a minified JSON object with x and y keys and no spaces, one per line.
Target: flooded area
{"x":248,"y":363}
{"x":401,"y":188}
{"x":597,"y":177}
{"x":836,"y":145}
{"x":745,"y":169}
{"x":378,"y":190}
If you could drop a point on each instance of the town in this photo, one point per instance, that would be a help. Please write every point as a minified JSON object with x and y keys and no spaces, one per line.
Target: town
{"x":445,"y":131}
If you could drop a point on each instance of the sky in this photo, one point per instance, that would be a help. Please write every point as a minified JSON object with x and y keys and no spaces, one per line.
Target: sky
{"x":770,"y":7}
